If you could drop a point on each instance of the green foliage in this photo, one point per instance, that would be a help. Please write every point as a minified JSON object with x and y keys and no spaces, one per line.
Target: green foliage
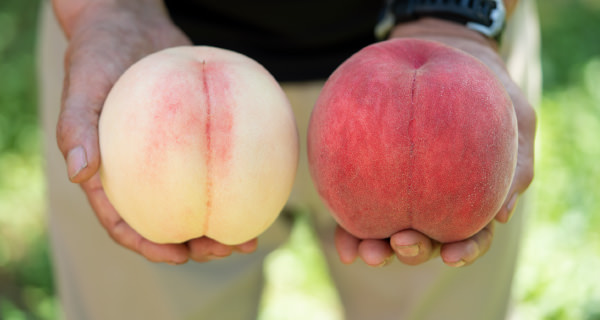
{"x":26,"y":284}
{"x":557,"y":275}
{"x":569,"y":39}
{"x":568,"y":148}
{"x":18,"y":94}
{"x":298,"y":284}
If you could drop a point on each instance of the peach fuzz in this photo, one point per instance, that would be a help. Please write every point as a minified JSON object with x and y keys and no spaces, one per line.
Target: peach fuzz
{"x":198,"y":141}
{"x":413,"y":134}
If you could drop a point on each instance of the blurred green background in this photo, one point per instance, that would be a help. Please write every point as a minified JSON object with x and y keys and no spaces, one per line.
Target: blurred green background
{"x":558,"y":273}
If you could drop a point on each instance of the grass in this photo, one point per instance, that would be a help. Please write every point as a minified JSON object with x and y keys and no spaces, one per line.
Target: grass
{"x":557,"y":274}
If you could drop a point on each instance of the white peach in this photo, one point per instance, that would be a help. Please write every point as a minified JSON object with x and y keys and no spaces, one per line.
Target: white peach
{"x":198,"y":141}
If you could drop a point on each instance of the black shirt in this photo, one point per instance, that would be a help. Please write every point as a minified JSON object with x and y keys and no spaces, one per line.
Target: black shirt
{"x":294,"y":39}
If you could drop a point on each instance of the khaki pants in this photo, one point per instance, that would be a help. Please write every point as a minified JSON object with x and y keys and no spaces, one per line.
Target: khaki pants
{"x":97,"y":279}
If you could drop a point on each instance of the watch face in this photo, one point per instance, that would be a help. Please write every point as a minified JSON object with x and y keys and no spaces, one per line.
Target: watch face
{"x":496,"y":18}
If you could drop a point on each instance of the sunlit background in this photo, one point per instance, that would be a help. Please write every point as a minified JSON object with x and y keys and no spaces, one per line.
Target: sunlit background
{"x":558,"y":273}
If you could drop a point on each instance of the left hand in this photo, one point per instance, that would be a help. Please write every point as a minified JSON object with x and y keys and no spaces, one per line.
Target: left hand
{"x":412,"y":247}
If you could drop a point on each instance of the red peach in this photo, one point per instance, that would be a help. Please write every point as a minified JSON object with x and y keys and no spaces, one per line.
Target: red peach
{"x":414,"y":134}
{"x":198,"y":141}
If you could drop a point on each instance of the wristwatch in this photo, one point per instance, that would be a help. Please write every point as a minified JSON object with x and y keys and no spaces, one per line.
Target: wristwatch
{"x":485,"y":16}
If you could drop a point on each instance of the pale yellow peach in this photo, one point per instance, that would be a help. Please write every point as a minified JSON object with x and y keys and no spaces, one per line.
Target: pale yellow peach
{"x":198,"y":141}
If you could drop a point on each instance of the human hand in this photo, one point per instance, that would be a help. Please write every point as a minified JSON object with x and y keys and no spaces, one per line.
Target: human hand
{"x":104,"y":40}
{"x":412,"y":247}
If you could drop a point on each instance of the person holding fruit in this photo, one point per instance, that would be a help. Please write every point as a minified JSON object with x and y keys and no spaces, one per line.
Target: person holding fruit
{"x":301,"y":44}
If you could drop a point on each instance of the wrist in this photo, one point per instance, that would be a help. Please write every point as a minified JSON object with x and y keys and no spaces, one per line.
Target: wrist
{"x":454,"y":35}
{"x":443,"y":31}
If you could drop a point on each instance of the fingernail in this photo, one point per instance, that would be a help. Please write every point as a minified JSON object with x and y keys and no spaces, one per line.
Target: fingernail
{"x":76,"y":161}
{"x":385,"y":262}
{"x":456,"y":264}
{"x":408,"y":251}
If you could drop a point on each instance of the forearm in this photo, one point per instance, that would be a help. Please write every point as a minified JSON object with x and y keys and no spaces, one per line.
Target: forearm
{"x":440,"y":30}
{"x":75,"y":15}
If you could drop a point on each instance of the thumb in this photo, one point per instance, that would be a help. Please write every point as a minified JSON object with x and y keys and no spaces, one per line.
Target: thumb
{"x":77,"y":128}
{"x":524,"y":171}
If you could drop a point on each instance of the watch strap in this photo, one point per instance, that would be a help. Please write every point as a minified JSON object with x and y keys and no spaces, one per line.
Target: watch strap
{"x":484,"y":16}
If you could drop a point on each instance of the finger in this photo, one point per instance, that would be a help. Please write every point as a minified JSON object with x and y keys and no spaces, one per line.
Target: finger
{"x":346,"y":245}
{"x":508,"y":207}
{"x":413,"y":248}
{"x":173,"y":254}
{"x":247,"y":247}
{"x":205,"y":249}
{"x":124,"y":235}
{"x":523,"y":176}
{"x":375,"y":252}
{"x":463,"y":253}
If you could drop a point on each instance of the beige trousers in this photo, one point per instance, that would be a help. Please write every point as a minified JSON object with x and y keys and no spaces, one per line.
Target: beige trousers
{"x":97,"y":279}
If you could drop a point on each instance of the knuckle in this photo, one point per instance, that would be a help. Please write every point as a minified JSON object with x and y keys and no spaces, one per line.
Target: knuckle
{"x":526,"y":175}
{"x":64,"y":130}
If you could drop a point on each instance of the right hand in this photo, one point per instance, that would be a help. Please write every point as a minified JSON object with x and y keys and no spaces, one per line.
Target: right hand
{"x":412,"y":247}
{"x":104,"y":40}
